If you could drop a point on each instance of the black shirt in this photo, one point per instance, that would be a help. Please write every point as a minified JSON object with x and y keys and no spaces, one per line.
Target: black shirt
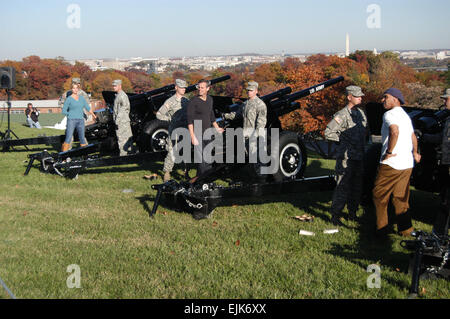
{"x":34,"y":114}
{"x":199,"y":110}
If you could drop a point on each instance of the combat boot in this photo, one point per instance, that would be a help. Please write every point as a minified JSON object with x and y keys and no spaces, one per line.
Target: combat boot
{"x":166,"y":176}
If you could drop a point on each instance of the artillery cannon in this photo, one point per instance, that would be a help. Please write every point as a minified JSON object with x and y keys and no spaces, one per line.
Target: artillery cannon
{"x":143,"y":108}
{"x":149,"y":134}
{"x":430,"y":258}
{"x":201,"y":196}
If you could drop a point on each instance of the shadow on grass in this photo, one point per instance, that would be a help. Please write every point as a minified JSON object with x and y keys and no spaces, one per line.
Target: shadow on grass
{"x":144,"y":202}
{"x":32,"y":150}
{"x":315,"y":168}
{"x":368,"y":250}
{"x":147,"y":199}
{"x":313,"y":203}
{"x":424,"y":206}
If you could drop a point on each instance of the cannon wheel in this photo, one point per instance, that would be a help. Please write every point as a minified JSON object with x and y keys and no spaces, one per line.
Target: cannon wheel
{"x":154,"y":136}
{"x":292,"y":157}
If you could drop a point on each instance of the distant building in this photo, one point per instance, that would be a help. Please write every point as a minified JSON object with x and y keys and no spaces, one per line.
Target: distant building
{"x":442,"y":55}
{"x":43,"y":106}
{"x":347,"y":45}
{"x":19,"y":106}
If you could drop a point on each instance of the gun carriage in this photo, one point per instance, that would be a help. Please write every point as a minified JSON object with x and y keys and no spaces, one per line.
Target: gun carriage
{"x":203,"y":195}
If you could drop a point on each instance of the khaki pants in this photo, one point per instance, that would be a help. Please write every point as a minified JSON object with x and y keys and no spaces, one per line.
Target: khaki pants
{"x":393,"y":182}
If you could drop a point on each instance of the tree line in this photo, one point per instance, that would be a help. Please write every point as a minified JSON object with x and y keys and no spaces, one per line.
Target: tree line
{"x":38,"y":78}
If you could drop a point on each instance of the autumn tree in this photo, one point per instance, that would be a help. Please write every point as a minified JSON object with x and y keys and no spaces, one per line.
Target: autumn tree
{"x":103,"y":82}
{"x":270,"y":77}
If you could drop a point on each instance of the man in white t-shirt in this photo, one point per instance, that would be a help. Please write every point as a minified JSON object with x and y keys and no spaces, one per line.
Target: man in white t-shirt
{"x":398,"y":153}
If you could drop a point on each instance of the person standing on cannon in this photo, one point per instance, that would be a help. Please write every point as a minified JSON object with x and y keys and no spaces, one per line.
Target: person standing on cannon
{"x":66,"y":94}
{"x":349,"y":129}
{"x":121,"y":118}
{"x":73,"y":108}
{"x":173,"y":111}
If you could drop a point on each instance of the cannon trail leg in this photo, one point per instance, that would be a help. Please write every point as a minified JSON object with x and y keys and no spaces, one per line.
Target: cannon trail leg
{"x":414,"y":289}
{"x":30,"y":163}
{"x":155,"y":205}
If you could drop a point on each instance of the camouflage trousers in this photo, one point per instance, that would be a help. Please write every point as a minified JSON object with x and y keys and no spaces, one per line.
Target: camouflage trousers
{"x":349,"y":186}
{"x":169,"y":161}
{"x":124,"y":138}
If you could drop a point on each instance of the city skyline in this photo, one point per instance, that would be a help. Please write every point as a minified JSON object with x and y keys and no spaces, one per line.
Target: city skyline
{"x":115,"y":29}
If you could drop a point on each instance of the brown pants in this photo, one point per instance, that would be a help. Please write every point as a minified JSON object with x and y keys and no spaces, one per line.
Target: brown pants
{"x":396,"y":182}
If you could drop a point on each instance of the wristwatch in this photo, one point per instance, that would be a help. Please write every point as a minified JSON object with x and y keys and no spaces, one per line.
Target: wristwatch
{"x":387,"y":152}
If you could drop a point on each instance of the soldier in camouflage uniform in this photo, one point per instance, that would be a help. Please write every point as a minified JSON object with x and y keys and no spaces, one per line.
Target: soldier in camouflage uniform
{"x":253,"y":111}
{"x":254,"y":114}
{"x":174,"y":111}
{"x":349,"y":128}
{"x":121,"y":117}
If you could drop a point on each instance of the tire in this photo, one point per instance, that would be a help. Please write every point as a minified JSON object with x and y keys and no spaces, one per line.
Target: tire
{"x":154,"y":136}
{"x":292,"y":157}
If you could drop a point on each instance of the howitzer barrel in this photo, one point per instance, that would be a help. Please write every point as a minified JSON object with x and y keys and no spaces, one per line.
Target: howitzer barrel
{"x":166,"y":88}
{"x":171,"y":87}
{"x":193,"y":87}
{"x":265,"y":98}
{"x":269,"y":97}
{"x":288,"y":99}
{"x":163,"y":92}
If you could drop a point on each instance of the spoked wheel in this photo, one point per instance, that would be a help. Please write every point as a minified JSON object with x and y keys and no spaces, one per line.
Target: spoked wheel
{"x":154,"y":137}
{"x":159,"y":140}
{"x":292,"y":157}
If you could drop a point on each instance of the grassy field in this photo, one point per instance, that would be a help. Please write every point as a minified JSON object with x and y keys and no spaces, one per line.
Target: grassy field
{"x":247,"y":249}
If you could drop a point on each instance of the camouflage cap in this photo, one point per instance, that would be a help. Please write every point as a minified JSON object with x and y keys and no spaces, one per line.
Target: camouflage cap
{"x":117,"y":82}
{"x":181,"y":83}
{"x":76,"y":80}
{"x":447,"y":94}
{"x":252,"y":85}
{"x":354,"y":90}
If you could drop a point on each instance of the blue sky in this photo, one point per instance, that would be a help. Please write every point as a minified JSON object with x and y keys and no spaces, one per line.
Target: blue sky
{"x":115,"y":28}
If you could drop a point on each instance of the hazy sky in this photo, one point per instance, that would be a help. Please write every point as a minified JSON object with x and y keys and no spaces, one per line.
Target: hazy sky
{"x":114,"y":28}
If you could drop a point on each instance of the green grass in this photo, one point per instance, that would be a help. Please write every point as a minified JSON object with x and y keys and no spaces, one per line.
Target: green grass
{"x":247,"y":249}
{"x":45,"y":119}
